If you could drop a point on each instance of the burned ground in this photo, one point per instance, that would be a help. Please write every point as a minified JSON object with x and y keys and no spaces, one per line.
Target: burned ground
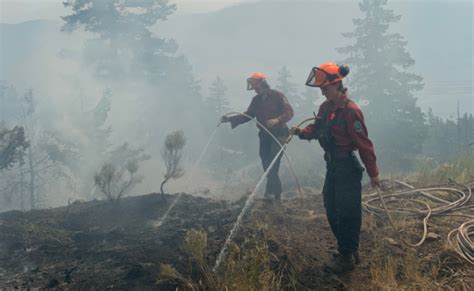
{"x":101,"y":245}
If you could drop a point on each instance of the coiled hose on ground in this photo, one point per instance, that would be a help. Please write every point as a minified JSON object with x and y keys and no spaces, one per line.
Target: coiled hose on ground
{"x":458,"y":239}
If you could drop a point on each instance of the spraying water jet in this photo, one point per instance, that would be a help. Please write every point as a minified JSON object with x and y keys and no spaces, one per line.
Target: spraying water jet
{"x":246,"y":207}
{"x":191,"y":175}
{"x":260,"y":125}
{"x":252,"y":196}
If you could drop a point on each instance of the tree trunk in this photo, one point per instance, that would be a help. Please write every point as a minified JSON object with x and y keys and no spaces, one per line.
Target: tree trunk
{"x":32,"y":180}
{"x":22,"y":189}
{"x":162,"y":184}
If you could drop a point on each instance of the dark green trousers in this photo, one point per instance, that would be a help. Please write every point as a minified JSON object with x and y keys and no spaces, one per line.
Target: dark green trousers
{"x":342,"y":200}
{"x":268,"y":151}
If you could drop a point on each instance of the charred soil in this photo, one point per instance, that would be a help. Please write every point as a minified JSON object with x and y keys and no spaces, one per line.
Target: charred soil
{"x":102,"y":245}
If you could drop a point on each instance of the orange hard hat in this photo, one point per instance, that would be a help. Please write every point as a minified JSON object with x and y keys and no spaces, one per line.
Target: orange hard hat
{"x":255,"y":80}
{"x":258,"y":76}
{"x":326,"y":74}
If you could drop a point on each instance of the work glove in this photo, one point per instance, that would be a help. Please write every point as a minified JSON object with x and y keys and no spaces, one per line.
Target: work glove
{"x":295,"y":130}
{"x":272,"y":122}
{"x":225,"y":119}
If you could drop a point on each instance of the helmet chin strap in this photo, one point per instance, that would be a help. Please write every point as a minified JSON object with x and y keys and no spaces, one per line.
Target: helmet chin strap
{"x":261,"y":89}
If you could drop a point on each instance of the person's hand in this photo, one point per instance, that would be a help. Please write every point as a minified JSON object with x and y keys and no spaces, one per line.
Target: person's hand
{"x":375,"y":181}
{"x":272,"y":122}
{"x":295,"y":130}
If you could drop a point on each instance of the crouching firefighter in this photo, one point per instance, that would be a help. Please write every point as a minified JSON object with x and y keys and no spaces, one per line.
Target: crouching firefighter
{"x":272,"y":110}
{"x":340,"y":129}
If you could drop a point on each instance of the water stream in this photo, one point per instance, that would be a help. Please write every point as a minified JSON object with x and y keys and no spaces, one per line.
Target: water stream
{"x":191,"y":175}
{"x":244,"y":211}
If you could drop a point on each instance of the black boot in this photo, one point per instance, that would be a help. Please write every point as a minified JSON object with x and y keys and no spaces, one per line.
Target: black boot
{"x":356,"y":256}
{"x":267,"y":199}
{"x":277,"y":198}
{"x":340,"y":264}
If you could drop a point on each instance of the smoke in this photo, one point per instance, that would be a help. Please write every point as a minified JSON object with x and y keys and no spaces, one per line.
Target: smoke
{"x":63,"y":70}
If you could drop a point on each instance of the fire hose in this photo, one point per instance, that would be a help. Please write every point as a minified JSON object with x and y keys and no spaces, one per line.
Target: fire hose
{"x":282,"y":146}
{"x":458,"y":239}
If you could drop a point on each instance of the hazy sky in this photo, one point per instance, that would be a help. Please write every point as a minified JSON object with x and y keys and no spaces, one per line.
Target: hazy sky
{"x":14,"y":11}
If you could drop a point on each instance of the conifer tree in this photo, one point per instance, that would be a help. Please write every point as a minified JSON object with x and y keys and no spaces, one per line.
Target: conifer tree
{"x":379,"y":62}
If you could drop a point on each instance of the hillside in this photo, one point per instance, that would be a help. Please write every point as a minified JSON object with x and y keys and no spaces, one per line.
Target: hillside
{"x":100,"y":245}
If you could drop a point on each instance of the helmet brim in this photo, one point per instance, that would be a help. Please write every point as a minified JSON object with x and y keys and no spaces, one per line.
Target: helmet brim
{"x":320,"y":78}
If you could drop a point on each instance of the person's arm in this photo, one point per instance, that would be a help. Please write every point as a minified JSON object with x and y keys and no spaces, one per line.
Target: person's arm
{"x":309,"y":132}
{"x":358,"y":132}
{"x":287,"y":111}
{"x":236,"y":120}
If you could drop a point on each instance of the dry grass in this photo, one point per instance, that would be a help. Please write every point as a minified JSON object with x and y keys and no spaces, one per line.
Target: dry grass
{"x":403,"y":273}
{"x":169,"y":274}
{"x":35,"y":231}
{"x":460,"y":169}
{"x":285,"y":249}
{"x":247,"y":269}
{"x":433,"y":266}
{"x":384,"y":274}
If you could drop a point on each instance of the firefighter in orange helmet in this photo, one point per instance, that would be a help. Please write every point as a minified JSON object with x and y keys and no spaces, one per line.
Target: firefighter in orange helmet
{"x":341,"y":130}
{"x":272,"y":110}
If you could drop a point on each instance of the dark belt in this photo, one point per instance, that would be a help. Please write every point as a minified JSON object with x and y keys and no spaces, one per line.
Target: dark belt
{"x":337,"y":155}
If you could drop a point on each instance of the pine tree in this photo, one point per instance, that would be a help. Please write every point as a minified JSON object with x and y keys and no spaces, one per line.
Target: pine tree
{"x":13,"y":145}
{"x":97,"y":147}
{"x":448,"y":139}
{"x":304,"y":103}
{"x":284,"y":81}
{"x":217,"y":101}
{"x":379,"y":61}
{"x":310,"y":101}
{"x":10,"y":105}
{"x":218,"y":105}
{"x":289,"y":88}
{"x":124,"y":44}
{"x":126,"y":54}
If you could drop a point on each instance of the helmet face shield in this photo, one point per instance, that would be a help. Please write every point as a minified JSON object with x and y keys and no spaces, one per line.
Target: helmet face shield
{"x":319,"y":78}
{"x":256,"y":81}
{"x":253,"y":83}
